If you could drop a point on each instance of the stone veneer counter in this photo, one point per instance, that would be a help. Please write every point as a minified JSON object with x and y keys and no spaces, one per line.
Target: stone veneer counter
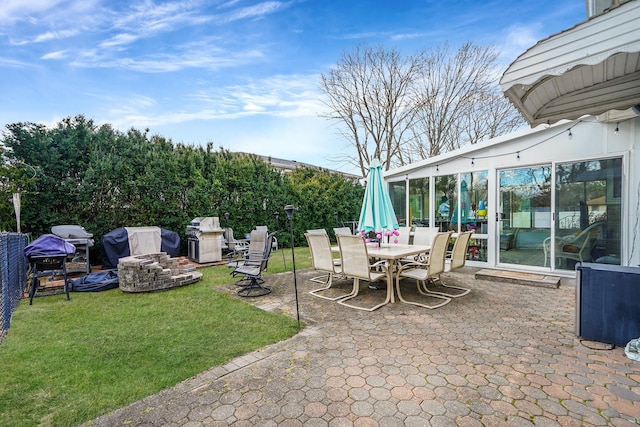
{"x":155,"y":272}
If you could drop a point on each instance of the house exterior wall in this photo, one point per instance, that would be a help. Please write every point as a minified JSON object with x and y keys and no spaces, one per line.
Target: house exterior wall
{"x":571,"y":141}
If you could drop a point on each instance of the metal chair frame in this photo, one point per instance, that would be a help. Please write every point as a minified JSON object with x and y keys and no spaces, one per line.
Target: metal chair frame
{"x":323,"y":261}
{"x":455,"y":260}
{"x":255,"y":262}
{"x":355,"y":264}
{"x":422,"y":272}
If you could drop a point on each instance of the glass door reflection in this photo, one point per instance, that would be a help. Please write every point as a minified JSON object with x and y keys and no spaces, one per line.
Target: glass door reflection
{"x":524,"y":215}
{"x":588,"y":212}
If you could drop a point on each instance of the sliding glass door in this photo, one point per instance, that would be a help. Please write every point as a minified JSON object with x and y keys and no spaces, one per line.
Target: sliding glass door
{"x":588,"y":212}
{"x":524,"y":215}
{"x":584,"y":225}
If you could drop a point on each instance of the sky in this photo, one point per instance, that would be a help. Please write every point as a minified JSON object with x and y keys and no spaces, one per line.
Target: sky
{"x":241,"y":74}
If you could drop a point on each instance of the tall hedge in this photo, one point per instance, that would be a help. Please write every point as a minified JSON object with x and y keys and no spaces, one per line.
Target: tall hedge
{"x":102,"y":178}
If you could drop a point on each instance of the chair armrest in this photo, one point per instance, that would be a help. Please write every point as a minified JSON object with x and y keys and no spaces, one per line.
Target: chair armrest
{"x":379,"y":264}
{"x":242,"y":245}
{"x":413,"y":264}
{"x":416,"y":264}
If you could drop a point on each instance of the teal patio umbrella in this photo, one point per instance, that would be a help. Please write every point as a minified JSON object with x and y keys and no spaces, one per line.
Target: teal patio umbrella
{"x":465,"y":204}
{"x":377,"y":212}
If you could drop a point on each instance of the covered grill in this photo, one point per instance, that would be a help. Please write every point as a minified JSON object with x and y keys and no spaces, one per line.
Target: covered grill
{"x":82,"y":240}
{"x":204,"y":239}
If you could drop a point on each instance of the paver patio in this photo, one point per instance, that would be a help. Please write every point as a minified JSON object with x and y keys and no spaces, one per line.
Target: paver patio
{"x":504,"y":355}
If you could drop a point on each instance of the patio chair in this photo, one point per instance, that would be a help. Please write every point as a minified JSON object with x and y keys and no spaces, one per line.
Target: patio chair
{"x":256,"y":246}
{"x":422,"y":272}
{"x":323,"y":261}
{"x":318,"y":231}
{"x":255,"y":262}
{"x":355,"y":264}
{"x":236,"y":249}
{"x":423,"y":236}
{"x":274,"y":242}
{"x":576,"y":247}
{"x":455,"y":259}
{"x":342,"y":231}
{"x":404,"y":235}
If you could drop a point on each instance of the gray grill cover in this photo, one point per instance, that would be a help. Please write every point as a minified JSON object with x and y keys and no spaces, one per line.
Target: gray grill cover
{"x":115,"y":245}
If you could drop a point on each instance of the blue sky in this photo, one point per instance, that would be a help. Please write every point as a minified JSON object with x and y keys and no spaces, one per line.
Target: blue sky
{"x":242,"y":74}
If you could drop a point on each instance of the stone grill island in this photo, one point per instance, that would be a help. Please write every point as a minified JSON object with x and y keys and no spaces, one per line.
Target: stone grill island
{"x":155,"y":272}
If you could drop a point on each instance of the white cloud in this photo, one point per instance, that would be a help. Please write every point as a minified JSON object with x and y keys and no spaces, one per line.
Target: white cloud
{"x":147,"y":19}
{"x":60,"y":54}
{"x":363,"y":35}
{"x":406,"y":36}
{"x":15,"y":63}
{"x":55,"y":13}
{"x":523,"y":36}
{"x":258,"y":10}
{"x":52,"y":35}
{"x":253,"y":108}
{"x":102,"y":36}
{"x":283,"y":96}
{"x":13,"y":11}
{"x":518,"y":39}
{"x":228,"y":4}
{"x":147,"y":14}
{"x":206,"y":56}
{"x":39,"y":21}
{"x":119,"y":39}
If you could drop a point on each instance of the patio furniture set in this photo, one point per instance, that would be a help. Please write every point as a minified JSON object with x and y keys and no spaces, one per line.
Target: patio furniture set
{"x":423,"y":261}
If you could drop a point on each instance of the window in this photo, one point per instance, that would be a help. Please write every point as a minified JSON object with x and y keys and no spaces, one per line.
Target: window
{"x":588,"y":198}
{"x":397,"y":193}
{"x":445,"y":200}
{"x":419,"y":202}
{"x":473,"y":202}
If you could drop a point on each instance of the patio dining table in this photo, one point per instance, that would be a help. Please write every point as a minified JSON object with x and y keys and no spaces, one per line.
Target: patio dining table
{"x":392,"y":253}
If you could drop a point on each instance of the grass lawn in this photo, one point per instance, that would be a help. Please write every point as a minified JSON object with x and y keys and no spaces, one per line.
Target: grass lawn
{"x":67,"y":362}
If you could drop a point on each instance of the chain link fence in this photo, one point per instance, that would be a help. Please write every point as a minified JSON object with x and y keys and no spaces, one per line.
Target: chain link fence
{"x":13,"y":273}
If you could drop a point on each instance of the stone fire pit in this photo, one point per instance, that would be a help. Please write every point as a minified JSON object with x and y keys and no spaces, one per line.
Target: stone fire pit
{"x":155,"y":272}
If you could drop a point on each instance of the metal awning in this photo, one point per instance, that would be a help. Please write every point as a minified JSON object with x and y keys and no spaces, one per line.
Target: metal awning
{"x":591,"y":68}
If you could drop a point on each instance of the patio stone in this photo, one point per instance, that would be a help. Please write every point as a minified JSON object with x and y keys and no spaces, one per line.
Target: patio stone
{"x":503,"y":355}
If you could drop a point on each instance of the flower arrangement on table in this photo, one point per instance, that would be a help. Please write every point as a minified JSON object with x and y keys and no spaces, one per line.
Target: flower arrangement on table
{"x":375,"y":237}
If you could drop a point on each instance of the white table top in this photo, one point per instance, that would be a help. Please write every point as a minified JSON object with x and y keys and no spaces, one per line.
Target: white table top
{"x":392,"y":251}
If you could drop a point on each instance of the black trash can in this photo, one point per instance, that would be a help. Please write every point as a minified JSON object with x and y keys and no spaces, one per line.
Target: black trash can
{"x":608,"y":303}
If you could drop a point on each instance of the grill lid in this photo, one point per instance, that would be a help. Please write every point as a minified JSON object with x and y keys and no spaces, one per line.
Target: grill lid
{"x":71,"y":232}
{"x":203,"y":225}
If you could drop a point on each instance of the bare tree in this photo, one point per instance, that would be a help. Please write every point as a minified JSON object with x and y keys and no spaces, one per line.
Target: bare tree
{"x":370,"y":91}
{"x":405,"y":109}
{"x":460,"y":101}
{"x":491,"y":116}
